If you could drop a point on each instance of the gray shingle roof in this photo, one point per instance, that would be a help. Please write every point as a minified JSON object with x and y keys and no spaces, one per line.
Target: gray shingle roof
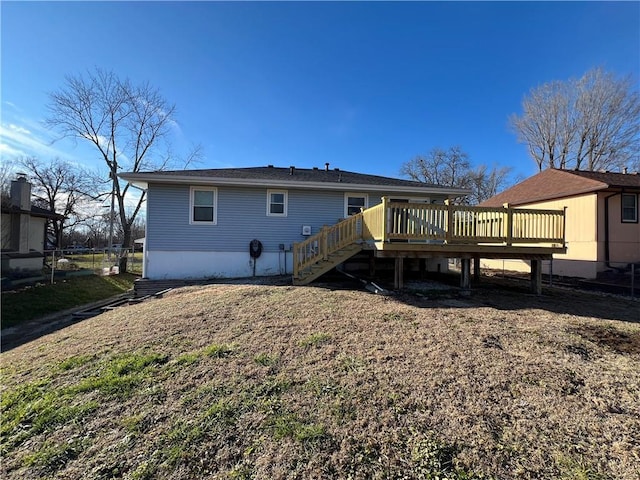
{"x":295,"y":175}
{"x":335,"y":179}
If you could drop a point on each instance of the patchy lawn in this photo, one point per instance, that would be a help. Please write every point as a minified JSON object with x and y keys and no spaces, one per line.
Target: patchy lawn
{"x":246,"y":381}
{"x":43,"y":299}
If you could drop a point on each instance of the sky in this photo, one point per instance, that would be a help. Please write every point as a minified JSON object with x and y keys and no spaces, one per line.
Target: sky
{"x":365,"y":86}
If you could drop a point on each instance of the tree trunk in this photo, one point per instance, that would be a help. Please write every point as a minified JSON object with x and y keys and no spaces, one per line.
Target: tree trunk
{"x":126,"y":244}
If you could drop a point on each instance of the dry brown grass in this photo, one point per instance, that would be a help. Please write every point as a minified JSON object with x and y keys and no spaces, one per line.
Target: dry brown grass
{"x":306,"y":382}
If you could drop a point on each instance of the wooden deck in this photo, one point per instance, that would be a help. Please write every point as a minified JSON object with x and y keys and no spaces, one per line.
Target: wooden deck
{"x":417,"y":230}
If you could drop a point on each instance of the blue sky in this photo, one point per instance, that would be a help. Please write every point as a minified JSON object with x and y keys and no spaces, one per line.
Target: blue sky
{"x":365,"y":86}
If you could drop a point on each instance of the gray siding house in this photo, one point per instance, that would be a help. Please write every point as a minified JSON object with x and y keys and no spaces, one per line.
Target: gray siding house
{"x":199,"y":223}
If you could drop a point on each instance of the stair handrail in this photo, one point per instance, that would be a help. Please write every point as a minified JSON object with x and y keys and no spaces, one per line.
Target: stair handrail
{"x":328,"y":240}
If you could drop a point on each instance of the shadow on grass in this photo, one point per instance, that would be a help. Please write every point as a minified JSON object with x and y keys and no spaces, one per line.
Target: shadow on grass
{"x":500,"y":293}
{"x":38,"y":310}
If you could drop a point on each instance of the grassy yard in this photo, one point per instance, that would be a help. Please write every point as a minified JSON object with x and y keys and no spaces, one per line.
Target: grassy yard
{"x":255,"y":382}
{"x":43,"y":299}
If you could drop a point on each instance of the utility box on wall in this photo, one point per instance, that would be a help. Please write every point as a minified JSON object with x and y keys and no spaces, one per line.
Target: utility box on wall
{"x":306,"y":230}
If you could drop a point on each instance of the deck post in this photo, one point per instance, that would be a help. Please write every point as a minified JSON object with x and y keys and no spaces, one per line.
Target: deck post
{"x":536,"y":277}
{"x":398,"y":277}
{"x":476,"y":268}
{"x":385,"y":218}
{"x":509,"y":232}
{"x":449,"y":234}
{"x":465,"y":276}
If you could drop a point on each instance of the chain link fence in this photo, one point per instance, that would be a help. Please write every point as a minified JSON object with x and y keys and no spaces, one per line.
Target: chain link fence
{"x":611,"y":277}
{"x":97,"y":261}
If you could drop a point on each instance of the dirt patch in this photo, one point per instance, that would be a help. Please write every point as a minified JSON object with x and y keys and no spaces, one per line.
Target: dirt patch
{"x":617,"y":340}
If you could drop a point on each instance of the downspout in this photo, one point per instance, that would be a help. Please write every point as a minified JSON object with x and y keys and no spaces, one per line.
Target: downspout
{"x":606,"y":230}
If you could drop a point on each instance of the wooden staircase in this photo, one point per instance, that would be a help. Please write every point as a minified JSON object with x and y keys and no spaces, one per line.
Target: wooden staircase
{"x":323,"y":265}
{"x":326,"y":249}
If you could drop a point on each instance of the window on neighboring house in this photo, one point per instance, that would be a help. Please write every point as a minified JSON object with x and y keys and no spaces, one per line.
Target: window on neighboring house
{"x":353,"y":202}
{"x":277,"y":203}
{"x":630,"y":207}
{"x":203,"y":205}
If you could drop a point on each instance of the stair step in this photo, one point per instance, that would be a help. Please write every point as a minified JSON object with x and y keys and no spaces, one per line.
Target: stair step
{"x":324,"y":265}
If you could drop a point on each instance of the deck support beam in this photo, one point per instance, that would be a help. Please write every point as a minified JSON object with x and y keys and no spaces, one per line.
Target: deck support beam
{"x":398,"y":278}
{"x":465,"y":276}
{"x":476,"y":269}
{"x":536,"y":277}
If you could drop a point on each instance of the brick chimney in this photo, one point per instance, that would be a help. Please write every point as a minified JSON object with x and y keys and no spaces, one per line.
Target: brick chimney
{"x":21,"y":193}
{"x":20,"y":221}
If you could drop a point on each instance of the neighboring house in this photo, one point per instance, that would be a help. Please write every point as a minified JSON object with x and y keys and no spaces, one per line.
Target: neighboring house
{"x":23,"y":231}
{"x":602,"y":230}
{"x":199,"y":223}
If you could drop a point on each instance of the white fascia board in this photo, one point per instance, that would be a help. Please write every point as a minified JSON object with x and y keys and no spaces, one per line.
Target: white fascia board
{"x":143,"y":180}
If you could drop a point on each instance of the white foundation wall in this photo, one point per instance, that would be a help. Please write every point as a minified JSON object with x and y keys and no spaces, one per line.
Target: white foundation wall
{"x":159,"y":265}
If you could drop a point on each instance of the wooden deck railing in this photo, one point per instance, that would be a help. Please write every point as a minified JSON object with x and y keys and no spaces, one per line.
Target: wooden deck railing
{"x":433,"y":223}
{"x":373,"y":221}
{"x":452,"y":224}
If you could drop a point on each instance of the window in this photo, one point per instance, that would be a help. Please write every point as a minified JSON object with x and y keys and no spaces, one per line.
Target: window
{"x":277,"y":203}
{"x":630,"y":207}
{"x":353,"y":202}
{"x":203,"y":205}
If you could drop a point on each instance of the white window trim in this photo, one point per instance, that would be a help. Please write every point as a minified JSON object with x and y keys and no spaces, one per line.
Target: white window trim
{"x":634,"y":220}
{"x":286,"y":203}
{"x":353,"y":194}
{"x":215,"y":205}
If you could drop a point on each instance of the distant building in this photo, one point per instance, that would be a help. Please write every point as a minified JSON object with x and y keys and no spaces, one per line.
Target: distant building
{"x":23,"y":231}
{"x":602,"y":230}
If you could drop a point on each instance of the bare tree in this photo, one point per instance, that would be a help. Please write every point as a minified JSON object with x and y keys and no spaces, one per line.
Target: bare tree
{"x":486,"y":182}
{"x":439,"y":167}
{"x":590,"y":123}
{"x":6,"y":173}
{"x":128,"y":125}
{"x":60,"y":187}
{"x":452,"y":168}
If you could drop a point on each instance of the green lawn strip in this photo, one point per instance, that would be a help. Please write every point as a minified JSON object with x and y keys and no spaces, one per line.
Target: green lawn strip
{"x":33,"y":408}
{"x":51,"y":456}
{"x":121,"y":375}
{"x":45,"y":299}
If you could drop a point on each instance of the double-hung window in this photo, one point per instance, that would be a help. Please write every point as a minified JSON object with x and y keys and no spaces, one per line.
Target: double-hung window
{"x":204,"y":201}
{"x":629,"y":208}
{"x":277,"y":203}
{"x":353,"y":202}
